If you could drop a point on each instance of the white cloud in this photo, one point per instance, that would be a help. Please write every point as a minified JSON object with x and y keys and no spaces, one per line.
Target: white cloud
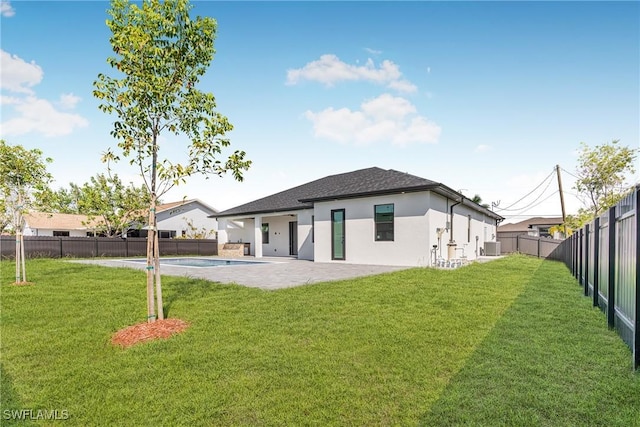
{"x":329,"y":70}
{"x":388,"y":107}
{"x":19,"y":76}
{"x":38,"y":115}
{"x":25,"y":112}
{"x":373,"y":51}
{"x":6,"y":9}
{"x":382,"y":119}
{"x":403,"y":86}
{"x":482,"y":148}
{"x":68,"y":100}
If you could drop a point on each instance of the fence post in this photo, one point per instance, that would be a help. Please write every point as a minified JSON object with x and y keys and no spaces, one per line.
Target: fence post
{"x":636,"y":326}
{"x":586,"y":261}
{"x":580,"y":258}
{"x":596,"y":261}
{"x":575,"y":254}
{"x":539,"y":246}
{"x":611,"y":300}
{"x":60,"y":239}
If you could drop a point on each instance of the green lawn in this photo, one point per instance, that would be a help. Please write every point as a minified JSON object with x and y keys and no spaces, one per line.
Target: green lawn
{"x":511,"y":342}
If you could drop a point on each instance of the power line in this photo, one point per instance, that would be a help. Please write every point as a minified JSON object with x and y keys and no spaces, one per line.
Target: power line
{"x":534,"y":201}
{"x":529,"y":193}
{"x":569,"y":173}
{"x":539,"y":203}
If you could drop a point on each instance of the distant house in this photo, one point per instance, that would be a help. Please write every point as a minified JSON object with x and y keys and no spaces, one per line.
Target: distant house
{"x":57,"y":224}
{"x":536,"y":227}
{"x":369,"y":216}
{"x":181,"y":219}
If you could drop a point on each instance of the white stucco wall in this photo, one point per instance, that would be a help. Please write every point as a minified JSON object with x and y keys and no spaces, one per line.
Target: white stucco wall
{"x":278,"y":235}
{"x":409,"y":247}
{"x":176,"y":219}
{"x":49,"y":232}
{"x":305,"y":234}
{"x":244,"y":231}
{"x":416,"y":219}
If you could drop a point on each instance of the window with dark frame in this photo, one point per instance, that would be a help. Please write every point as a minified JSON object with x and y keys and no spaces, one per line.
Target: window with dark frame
{"x":383,"y":217}
{"x":313,"y":228}
{"x":265,"y":233}
{"x":469,"y":229}
{"x":60,"y":233}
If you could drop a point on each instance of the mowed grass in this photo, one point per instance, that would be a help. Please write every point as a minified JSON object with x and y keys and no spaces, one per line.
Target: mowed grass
{"x":511,"y":342}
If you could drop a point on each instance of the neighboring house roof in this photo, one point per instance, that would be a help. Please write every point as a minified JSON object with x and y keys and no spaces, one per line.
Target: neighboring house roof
{"x":361,"y":183}
{"x":168,"y":206}
{"x":527,"y":224}
{"x":59,"y":221}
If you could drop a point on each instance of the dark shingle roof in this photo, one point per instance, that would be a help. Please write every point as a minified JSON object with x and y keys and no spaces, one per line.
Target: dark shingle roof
{"x":363,"y":182}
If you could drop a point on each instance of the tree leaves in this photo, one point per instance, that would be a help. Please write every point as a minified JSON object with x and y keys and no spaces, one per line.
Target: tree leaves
{"x":160,"y":54}
{"x":601,"y":172}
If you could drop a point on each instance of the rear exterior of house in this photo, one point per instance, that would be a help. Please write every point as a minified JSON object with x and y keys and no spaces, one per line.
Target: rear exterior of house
{"x":183,"y":218}
{"x":370,"y":216}
{"x":59,"y":225}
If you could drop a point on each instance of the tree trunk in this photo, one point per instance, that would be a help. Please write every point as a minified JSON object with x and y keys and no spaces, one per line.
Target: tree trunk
{"x":17,"y":256}
{"x":158,"y":282}
{"x":151,"y":314}
{"x":22,"y":258}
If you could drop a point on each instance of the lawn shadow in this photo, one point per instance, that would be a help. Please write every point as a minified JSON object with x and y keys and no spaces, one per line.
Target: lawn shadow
{"x":537,"y":366}
{"x":10,"y":402}
{"x":188,"y":289}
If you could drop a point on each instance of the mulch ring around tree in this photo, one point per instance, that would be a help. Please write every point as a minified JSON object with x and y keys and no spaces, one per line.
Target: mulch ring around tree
{"x":160,"y":329}
{"x":22,"y":284}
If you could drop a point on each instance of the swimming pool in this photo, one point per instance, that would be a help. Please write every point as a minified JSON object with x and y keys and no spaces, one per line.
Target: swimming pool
{"x":201,"y":262}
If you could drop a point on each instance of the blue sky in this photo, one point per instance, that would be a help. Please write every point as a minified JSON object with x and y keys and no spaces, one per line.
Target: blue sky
{"x":485,"y":97}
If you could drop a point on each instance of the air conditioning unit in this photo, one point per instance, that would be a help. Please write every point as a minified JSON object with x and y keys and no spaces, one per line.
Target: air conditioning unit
{"x":492,"y":248}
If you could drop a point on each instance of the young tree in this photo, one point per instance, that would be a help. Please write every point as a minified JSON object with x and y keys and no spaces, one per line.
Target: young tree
{"x":23,"y":173}
{"x":112,"y":206}
{"x":602,"y":172}
{"x":477,"y":199}
{"x":5,"y":215}
{"x":160,"y":55}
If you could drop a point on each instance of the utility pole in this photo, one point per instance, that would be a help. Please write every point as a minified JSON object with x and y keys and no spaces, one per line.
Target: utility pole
{"x":564,"y":215}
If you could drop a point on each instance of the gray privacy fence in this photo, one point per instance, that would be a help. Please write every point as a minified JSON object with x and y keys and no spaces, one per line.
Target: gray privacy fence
{"x":603,"y":256}
{"x":541,"y":247}
{"x":89,"y":247}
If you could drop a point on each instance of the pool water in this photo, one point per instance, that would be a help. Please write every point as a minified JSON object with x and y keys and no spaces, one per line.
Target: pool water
{"x":201,"y":262}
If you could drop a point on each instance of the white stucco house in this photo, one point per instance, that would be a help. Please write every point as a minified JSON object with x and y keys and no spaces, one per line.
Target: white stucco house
{"x":58,"y":224}
{"x":369,"y":216}
{"x":181,"y":219}
{"x":176,"y":219}
{"x":536,"y":227}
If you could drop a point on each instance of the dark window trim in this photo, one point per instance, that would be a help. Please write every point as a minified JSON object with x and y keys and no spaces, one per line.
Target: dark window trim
{"x":393,"y":223}
{"x":344,"y":235}
{"x":265,"y":233}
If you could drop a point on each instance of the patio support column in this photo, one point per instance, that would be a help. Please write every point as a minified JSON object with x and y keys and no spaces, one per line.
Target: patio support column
{"x":223,"y":236}
{"x":257,"y":229}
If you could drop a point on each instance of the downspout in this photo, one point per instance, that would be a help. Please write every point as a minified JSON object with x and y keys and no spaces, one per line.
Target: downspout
{"x":451,"y":246}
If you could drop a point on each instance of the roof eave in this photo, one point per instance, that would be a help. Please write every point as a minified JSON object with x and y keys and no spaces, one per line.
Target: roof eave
{"x":370,"y":193}
{"x":257,"y":212}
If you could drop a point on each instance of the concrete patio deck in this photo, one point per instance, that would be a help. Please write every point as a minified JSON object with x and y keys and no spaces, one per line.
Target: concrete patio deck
{"x":274,"y":273}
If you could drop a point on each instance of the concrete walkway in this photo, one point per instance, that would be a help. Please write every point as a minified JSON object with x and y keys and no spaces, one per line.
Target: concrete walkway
{"x":275,"y":273}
